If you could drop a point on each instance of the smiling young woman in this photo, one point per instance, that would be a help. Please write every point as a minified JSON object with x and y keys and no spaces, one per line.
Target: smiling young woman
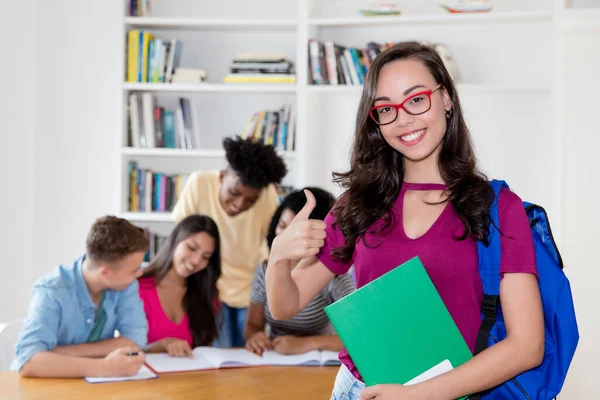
{"x":179,"y":288}
{"x":414,"y":189}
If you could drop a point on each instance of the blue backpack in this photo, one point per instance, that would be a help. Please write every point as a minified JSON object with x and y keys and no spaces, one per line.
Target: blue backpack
{"x":561,"y":334}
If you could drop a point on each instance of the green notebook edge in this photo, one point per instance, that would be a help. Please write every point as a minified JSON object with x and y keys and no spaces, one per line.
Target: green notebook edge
{"x":342,"y":316}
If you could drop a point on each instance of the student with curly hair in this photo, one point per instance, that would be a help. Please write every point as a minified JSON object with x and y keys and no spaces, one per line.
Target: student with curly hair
{"x":241,"y":200}
{"x":75,"y":310}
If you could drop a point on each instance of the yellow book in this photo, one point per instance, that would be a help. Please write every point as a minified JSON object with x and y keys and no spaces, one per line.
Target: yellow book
{"x":145,"y":44}
{"x":133,"y":55}
{"x":134,"y":205}
{"x":259,"y":125}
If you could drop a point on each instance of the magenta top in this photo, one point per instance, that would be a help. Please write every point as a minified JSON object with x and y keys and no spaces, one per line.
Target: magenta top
{"x":451,"y":264}
{"x":159,"y":325}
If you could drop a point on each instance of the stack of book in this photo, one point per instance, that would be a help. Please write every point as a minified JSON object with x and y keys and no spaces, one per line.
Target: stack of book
{"x":272,"y":127}
{"x":151,"y":126}
{"x":153,"y":191}
{"x":332,"y":64}
{"x":468,"y":6}
{"x":151,"y":59}
{"x":381,"y":8}
{"x":260,"y":68}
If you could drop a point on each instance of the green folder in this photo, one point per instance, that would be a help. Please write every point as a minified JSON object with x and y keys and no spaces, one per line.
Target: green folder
{"x":397,"y":329}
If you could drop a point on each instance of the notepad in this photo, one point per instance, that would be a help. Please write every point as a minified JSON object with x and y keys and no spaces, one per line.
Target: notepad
{"x":214,"y":358}
{"x":143,"y":373}
{"x":397,"y":329}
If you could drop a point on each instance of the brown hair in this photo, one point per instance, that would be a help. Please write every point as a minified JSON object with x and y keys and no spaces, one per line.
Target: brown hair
{"x":202,"y":286}
{"x":376,"y":172}
{"x":112,"y":238}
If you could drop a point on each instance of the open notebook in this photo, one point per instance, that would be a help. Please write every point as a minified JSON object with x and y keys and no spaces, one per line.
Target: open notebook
{"x":143,"y":373}
{"x":212,"y":358}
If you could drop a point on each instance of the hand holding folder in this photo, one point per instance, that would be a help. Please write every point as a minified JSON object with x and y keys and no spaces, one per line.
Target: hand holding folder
{"x":397,"y":328}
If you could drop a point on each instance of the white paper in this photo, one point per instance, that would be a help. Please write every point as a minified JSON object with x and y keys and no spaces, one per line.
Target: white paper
{"x":143,"y":373}
{"x":162,"y":362}
{"x":212,"y":358}
{"x":311,"y":358}
{"x":439,"y":369}
{"x":329,"y":357}
{"x":229,"y":357}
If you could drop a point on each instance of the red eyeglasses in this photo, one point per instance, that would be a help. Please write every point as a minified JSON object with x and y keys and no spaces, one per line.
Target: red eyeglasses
{"x":418,"y":103}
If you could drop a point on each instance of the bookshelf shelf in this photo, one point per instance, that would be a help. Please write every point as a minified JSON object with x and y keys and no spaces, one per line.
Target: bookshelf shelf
{"x":162,"y":152}
{"x":463,"y":88}
{"x":211,"y":23}
{"x":525,"y":16}
{"x":211,"y":87}
{"x":147,"y":216}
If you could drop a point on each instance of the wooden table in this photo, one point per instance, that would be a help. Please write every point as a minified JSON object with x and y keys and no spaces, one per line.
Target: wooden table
{"x":265,"y":383}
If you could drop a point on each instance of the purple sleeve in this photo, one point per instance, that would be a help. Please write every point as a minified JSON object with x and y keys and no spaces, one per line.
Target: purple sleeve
{"x":518,"y":255}
{"x":334,"y":239}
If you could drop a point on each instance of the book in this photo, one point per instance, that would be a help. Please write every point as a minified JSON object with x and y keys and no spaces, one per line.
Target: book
{"x":215,"y":358}
{"x":467,"y":6}
{"x":397,"y":329}
{"x":143,"y":373}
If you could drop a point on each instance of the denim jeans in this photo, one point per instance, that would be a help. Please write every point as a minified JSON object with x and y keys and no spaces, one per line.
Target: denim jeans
{"x":230,"y":322}
{"x":346,"y":386}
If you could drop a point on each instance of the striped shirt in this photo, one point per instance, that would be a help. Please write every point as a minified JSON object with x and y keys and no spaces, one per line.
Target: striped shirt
{"x":312,"y":321}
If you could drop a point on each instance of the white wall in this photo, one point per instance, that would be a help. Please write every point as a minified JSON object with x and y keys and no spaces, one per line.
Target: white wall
{"x":78,"y":83}
{"x":18,"y":118}
{"x":581,"y":192}
{"x":58,"y":151}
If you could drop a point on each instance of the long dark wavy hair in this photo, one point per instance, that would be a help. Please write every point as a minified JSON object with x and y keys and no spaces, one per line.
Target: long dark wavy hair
{"x":295,"y":201}
{"x":201,"y":293}
{"x":376,"y":172}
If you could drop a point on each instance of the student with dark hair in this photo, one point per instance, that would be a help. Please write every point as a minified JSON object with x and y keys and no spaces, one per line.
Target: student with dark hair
{"x":414,"y":189}
{"x":310,"y":329}
{"x":241,"y":200}
{"x":75,"y":310}
{"x":179,"y":288}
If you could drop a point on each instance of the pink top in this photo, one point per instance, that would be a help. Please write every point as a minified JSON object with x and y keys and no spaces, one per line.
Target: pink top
{"x":159,"y":325}
{"x":451,"y":264}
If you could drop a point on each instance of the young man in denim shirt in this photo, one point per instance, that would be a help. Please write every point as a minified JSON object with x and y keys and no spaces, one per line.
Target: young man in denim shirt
{"x":74,"y":311}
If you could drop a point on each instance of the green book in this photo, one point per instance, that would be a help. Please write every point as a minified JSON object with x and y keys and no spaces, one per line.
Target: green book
{"x":397,"y":328}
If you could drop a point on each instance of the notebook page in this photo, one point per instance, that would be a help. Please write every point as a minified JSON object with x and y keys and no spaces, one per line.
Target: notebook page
{"x":307,"y":359}
{"x":163,"y":362}
{"x":432,"y":372}
{"x":143,"y":373}
{"x":229,"y":357}
{"x":329,"y":357}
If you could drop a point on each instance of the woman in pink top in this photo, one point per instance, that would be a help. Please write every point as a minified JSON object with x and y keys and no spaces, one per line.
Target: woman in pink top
{"x":178,"y":288}
{"x":413,"y":188}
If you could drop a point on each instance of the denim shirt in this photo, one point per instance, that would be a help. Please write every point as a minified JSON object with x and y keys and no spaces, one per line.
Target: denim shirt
{"x":61,"y":312}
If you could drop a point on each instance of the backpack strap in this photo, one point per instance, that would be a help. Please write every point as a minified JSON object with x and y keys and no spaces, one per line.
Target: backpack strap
{"x":489,"y":270}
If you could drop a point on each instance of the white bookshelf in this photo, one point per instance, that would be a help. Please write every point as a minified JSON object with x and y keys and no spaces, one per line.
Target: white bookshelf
{"x":505,"y":60}
{"x":210,"y":87}
{"x":206,"y":23}
{"x":196,"y":153}
{"x":146,"y":216}
{"x":442,"y":18}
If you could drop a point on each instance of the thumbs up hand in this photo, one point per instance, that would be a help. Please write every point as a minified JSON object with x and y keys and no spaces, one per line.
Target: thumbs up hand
{"x":303,"y":237}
